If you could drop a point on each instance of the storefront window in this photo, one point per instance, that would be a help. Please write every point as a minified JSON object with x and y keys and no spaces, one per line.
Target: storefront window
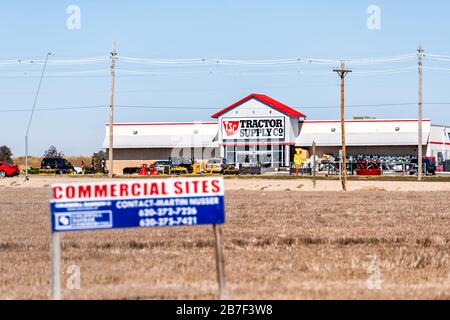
{"x":263,"y":154}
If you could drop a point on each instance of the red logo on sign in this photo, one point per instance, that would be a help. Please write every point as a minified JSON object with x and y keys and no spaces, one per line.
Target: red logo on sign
{"x":231,"y":127}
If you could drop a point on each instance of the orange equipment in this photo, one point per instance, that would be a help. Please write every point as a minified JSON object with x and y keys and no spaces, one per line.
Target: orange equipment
{"x":148,"y":171}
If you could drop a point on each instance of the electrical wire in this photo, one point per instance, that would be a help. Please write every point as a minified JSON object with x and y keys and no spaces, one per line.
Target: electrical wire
{"x":388,"y":71}
{"x":197,"y":61}
{"x":436,"y":69}
{"x":260,"y":73}
{"x":249,"y":62}
{"x":393,"y":59}
{"x":129,"y":72}
{"x":55,"y":62}
{"x":120,"y":106}
{"x":54,"y":108}
{"x":438,"y":57}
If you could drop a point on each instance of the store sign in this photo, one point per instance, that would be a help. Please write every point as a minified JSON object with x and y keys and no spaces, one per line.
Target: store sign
{"x":253,"y":128}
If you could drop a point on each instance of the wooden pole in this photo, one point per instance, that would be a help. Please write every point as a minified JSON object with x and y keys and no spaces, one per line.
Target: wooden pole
{"x":220,"y":262}
{"x":419,"y":143}
{"x":314,"y":164}
{"x":342,"y":72}
{"x":344,"y":153}
{"x":111,"y":110}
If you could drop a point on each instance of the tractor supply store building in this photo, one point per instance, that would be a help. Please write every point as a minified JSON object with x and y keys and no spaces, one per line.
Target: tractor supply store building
{"x":260,"y":130}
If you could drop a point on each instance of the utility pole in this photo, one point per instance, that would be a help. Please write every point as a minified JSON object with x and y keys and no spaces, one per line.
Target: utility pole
{"x":111,"y":108}
{"x":314,"y":163}
{"x":32,"y":113}
{"x":342,"y":72}
{"x":419,"y":143}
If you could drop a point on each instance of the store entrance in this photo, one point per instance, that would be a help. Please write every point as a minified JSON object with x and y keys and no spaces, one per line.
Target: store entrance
{"x":254,"y":157}
{"x":264,"y":155}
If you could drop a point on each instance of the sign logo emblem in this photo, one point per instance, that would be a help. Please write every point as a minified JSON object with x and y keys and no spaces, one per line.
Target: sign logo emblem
{"x":64,"y":220}
{"x":231,"y":127}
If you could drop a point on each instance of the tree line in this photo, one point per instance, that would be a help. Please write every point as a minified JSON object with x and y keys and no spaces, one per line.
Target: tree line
{"x":52,"y":152}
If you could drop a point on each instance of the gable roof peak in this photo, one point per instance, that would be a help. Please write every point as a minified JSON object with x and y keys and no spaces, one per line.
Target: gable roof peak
{"x":277,"y":105}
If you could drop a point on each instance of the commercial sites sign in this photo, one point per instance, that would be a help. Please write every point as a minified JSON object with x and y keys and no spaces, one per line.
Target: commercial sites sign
{"x":137,"y":203}
{"x":253,"y":128}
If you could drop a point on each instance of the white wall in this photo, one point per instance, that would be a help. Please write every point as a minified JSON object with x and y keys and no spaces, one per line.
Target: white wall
{"x":439,"y":142}
{"x":362,"y":133}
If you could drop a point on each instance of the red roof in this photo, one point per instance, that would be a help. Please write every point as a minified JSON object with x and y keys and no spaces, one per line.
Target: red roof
{"x":277,"y":105}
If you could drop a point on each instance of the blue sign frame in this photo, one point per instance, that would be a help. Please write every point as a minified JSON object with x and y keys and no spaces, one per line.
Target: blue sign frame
{"x":79,"y":214}
{"x":88,"y":215}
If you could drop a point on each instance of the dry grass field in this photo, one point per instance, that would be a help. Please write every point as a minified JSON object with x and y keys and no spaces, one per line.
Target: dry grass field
{"x":278,"y":245}
{"x":36,"y":161}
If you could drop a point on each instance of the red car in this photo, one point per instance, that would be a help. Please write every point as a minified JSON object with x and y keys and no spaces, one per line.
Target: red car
{"x":8,"y":170}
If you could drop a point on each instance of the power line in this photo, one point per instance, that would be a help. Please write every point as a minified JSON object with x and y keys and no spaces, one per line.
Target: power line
{"x":386,"y":71}
{"x":226,"y":62}
{"x":215,"y":61}
{"x":260,"y":73}
{"x":212,"y":109}
{"x":53,"y":108}
{"x":445,"y":70}
{"x":294,"y":85}
{"x":126,"y":72}
{"x":199,"y":61}
{"x":437,"y":57}
{"x":63,"y":74}
{"x":81,"y":61}
{"x":371,"y":61}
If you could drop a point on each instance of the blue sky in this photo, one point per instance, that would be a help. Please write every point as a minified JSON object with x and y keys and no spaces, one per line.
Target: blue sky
{"x":209,"y":29}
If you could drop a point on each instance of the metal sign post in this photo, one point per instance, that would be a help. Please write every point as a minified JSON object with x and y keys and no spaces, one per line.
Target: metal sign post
{"x":135,"y":204}
{"x":55,"y":248}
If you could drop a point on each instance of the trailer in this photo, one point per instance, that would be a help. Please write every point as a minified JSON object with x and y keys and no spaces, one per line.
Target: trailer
{"x":368,"y":168}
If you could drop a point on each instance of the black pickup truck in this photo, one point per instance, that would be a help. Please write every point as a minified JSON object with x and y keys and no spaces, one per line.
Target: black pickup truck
{"x":60,"y":165}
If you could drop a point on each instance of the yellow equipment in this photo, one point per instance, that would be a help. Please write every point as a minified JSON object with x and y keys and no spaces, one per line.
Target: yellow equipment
{"x":300,"y":156}
{"x":165,"y":169}
{"x":230,"y":170}
{"x":196,"y":168}
{"x":45,"y":171}
{"x":178,"y":170}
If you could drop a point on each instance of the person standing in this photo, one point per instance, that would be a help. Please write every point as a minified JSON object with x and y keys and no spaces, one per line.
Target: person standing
{"x":93,"y":165}
{"x":144,"y":170}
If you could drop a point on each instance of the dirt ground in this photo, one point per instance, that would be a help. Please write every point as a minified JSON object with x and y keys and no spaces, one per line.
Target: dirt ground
{"x":280,"y":243}
{"x":259,"y":184}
